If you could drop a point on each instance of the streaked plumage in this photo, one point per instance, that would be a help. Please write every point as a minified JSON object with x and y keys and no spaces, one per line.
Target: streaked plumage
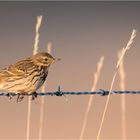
{"x":27,"y":75}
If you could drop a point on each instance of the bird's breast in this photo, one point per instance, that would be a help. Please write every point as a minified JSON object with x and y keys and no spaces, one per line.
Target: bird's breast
{"x":41,"y":79}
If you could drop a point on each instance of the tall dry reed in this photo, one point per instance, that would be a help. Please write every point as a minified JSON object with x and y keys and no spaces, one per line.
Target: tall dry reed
{"x":35,"y":50}
{"x":124,"y":50}
{"x":49,"y":48}
{"x":123,"y":100}
{"x":95,"y":81}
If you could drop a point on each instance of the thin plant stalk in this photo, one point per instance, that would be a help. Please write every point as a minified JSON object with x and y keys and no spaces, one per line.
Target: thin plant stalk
{"x":123,"y":99}
{"x":35,"y":50}
{"x":49,"y":47}
{"x":124,"y":50}
{"x":95,"y":81}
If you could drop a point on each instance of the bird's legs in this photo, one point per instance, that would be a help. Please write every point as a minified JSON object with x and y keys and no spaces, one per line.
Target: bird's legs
{"x":9,"y":95}
{"x":34,"y":95}
{"x":20,"y":97}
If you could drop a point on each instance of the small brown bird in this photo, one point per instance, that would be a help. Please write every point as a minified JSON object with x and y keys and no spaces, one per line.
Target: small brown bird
{"x":26,"y":76}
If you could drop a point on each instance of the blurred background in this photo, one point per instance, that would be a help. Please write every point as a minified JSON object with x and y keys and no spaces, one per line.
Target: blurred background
{"x":80,"y":33}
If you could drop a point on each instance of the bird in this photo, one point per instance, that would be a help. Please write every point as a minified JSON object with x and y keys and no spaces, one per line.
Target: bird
{"x":26,"y":76}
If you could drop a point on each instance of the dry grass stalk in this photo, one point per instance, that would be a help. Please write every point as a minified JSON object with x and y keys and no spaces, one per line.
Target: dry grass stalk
{"x":123,"y":100}
{"x":133,"y":35}
{"x":49,"y":47}
{"x":128,"y":46}
{"x":38,"y":24}
{"x":41,"y":113}
{"x":35,"y":50}
{"x":96,"y":78}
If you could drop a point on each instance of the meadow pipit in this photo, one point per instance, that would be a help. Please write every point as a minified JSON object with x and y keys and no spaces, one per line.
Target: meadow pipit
{"x":26,"y":76}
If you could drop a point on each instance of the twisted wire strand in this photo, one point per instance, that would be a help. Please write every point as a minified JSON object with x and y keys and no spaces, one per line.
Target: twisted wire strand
{"x":61,"y":93}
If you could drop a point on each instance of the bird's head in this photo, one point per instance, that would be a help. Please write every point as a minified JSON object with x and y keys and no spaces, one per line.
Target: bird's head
{"x":44,"y":59}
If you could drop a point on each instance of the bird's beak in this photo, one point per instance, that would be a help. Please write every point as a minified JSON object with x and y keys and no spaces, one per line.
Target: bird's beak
{"x":56,"y":59}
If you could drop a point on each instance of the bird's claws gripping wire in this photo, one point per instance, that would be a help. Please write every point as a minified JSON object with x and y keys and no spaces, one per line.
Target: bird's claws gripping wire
{"x":20,"y":97}
{"x":34,"y":95}
{"x":9,"y":95}
{"x":104,"y":92}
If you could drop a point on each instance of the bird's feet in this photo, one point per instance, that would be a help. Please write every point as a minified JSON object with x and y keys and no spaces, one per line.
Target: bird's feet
{"x":34,"y":95}
{"x":9,"y":95}
{"x":20,"y":97}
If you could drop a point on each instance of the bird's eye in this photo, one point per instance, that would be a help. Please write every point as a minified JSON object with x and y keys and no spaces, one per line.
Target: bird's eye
{"x":46,"y":59}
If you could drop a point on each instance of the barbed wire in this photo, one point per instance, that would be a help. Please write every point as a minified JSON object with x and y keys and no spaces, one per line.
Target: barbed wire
{"x":101,"y":92}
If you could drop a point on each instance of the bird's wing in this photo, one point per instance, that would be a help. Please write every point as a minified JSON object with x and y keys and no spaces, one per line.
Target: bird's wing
{"x":21,"y":67}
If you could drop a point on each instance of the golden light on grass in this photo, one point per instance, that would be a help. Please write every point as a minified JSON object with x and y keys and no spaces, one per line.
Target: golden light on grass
{"x":49,"y":47}
{"x":128,"y":46}
{"x":38,"y":24}
{"x":123,"y":102}
{"x":41,"y":113}
{"x":121,"y":73}
{"x":95,"y":81}
{"x":35,"y":50}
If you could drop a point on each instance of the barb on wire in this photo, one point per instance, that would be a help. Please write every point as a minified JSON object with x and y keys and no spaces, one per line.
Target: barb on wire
{"x":59,"y":92}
